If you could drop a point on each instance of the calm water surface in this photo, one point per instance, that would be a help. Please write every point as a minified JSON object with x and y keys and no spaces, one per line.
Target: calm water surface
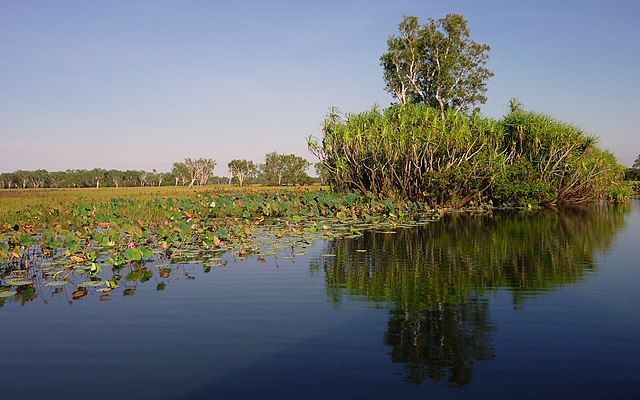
{"x":515,"y":305}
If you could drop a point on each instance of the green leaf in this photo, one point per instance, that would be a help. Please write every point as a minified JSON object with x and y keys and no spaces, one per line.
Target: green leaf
{"x":56,"y":283}
{"x":95,"y":269}
{"x":27,"y":240}
{"x":146,"y":252}
{"x":146,"y":276}
{"x":132,"y":254}
{"x":111,"y":284}
{"x":7,"y":293}
{"x":91,"y":284}
{"x":18,"y":282}
{"x":134,"y":275}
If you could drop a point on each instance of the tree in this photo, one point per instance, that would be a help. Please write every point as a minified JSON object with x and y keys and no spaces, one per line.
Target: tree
{"x":194,"y":171}
{"x":180,"y":172}
{"x":322,"y":172}
{"x":282,"y":169}
{"x":636,"y":163}
{"x":241,"y":169}
{"x":436,"y":64}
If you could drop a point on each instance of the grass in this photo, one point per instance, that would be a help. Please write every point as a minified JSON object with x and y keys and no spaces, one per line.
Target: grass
{"x":18,"y":200}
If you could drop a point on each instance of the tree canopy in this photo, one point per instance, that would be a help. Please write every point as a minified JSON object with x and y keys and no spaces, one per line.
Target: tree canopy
{"x":241,"y":169}
{"x":283,"y":169}
{"x":436,"y":64}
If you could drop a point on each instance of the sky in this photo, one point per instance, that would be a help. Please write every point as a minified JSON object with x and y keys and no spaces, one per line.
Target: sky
{"x":141,"y":84}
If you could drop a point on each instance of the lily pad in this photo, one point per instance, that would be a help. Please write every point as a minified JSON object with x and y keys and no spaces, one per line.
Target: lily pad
{"x":7,"y":293}
{"x":56,"y":283}
{"x":91,"y":284}
{"x":18,"y":282}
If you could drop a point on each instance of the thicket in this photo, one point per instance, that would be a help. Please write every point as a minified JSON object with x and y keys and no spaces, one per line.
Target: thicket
{"x":410,"y":151}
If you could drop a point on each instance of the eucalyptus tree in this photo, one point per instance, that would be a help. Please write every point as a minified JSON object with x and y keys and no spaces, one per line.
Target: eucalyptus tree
{"x":193,"y":171}
{"x":281,"y":169}
{"x":436,"y":64}
{"x":180,"y":172}
{"x":241,"y":169}
{"x":204,"y":170}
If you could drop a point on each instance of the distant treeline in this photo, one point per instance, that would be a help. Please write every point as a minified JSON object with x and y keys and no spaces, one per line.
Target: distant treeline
{"x":278,"y":169}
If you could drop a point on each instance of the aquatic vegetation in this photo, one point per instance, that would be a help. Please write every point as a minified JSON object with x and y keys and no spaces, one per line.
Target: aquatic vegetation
{"x":100,"y":246}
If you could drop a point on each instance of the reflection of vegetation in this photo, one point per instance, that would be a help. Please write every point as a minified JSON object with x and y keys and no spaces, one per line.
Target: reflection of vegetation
{"x":441,"y":344}
{"x":445,"y":262}
{"x":434,"y":277}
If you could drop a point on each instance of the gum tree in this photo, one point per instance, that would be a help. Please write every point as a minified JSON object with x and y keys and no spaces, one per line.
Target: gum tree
{"x":282,"y":169}
{"x":436,"y":64}
{"x":241,"y":169}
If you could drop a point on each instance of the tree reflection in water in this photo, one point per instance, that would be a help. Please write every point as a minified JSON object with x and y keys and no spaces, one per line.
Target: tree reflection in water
{"x":435,"y":278}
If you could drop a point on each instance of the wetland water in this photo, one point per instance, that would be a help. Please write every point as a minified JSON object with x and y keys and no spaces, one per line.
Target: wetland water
{"x":539,"y":304}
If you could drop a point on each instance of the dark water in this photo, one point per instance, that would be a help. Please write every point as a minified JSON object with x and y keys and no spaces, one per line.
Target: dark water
{"x":518,"y":305}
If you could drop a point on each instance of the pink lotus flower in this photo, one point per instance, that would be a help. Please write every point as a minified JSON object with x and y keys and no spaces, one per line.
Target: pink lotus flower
{"x":131,"y":245}
{"x":222,"y":244}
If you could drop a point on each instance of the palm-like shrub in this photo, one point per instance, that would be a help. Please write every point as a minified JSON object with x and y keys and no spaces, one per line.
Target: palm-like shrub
{"x":412,"y":152}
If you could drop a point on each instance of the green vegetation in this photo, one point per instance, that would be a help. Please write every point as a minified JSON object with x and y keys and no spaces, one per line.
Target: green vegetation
{"x":241,"y":170}
{"x":633,"y":175}
{"x":410,"y":151}
{"x":193,"y":171}
{"x":436,"y":64}
{"x":55,"y":241}
{"x":284,"y":169}
{"x":278,"y":169}
{"x":432,"y":147}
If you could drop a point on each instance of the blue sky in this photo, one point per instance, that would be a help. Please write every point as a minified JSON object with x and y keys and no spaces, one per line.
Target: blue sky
{"x":142,"y":84}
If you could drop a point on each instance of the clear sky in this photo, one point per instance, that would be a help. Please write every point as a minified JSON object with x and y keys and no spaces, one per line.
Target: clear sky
{"x":141,"y":84}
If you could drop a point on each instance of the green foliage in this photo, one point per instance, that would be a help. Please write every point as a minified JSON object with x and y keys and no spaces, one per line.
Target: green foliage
{"x":632,"y":174}
{"x":78,"y":178}
{"x":411,"y":152}
{"x":241,"y":169}
{"x":436,"y":64}
{"x":284,"y":169}
{"x":622,"y":192}
{"x":563,"y":164}
{"x":197,"y":172}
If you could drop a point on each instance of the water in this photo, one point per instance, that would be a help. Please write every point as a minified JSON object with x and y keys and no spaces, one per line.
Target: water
{"x":516,"y":305}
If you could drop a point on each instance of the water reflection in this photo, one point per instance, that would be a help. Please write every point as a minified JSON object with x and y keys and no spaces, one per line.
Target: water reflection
{"x":435,"y":278}
{"x":443,"y":344}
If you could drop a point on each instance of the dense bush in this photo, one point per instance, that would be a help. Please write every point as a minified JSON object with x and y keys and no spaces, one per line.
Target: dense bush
{"x":410,"y":151}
